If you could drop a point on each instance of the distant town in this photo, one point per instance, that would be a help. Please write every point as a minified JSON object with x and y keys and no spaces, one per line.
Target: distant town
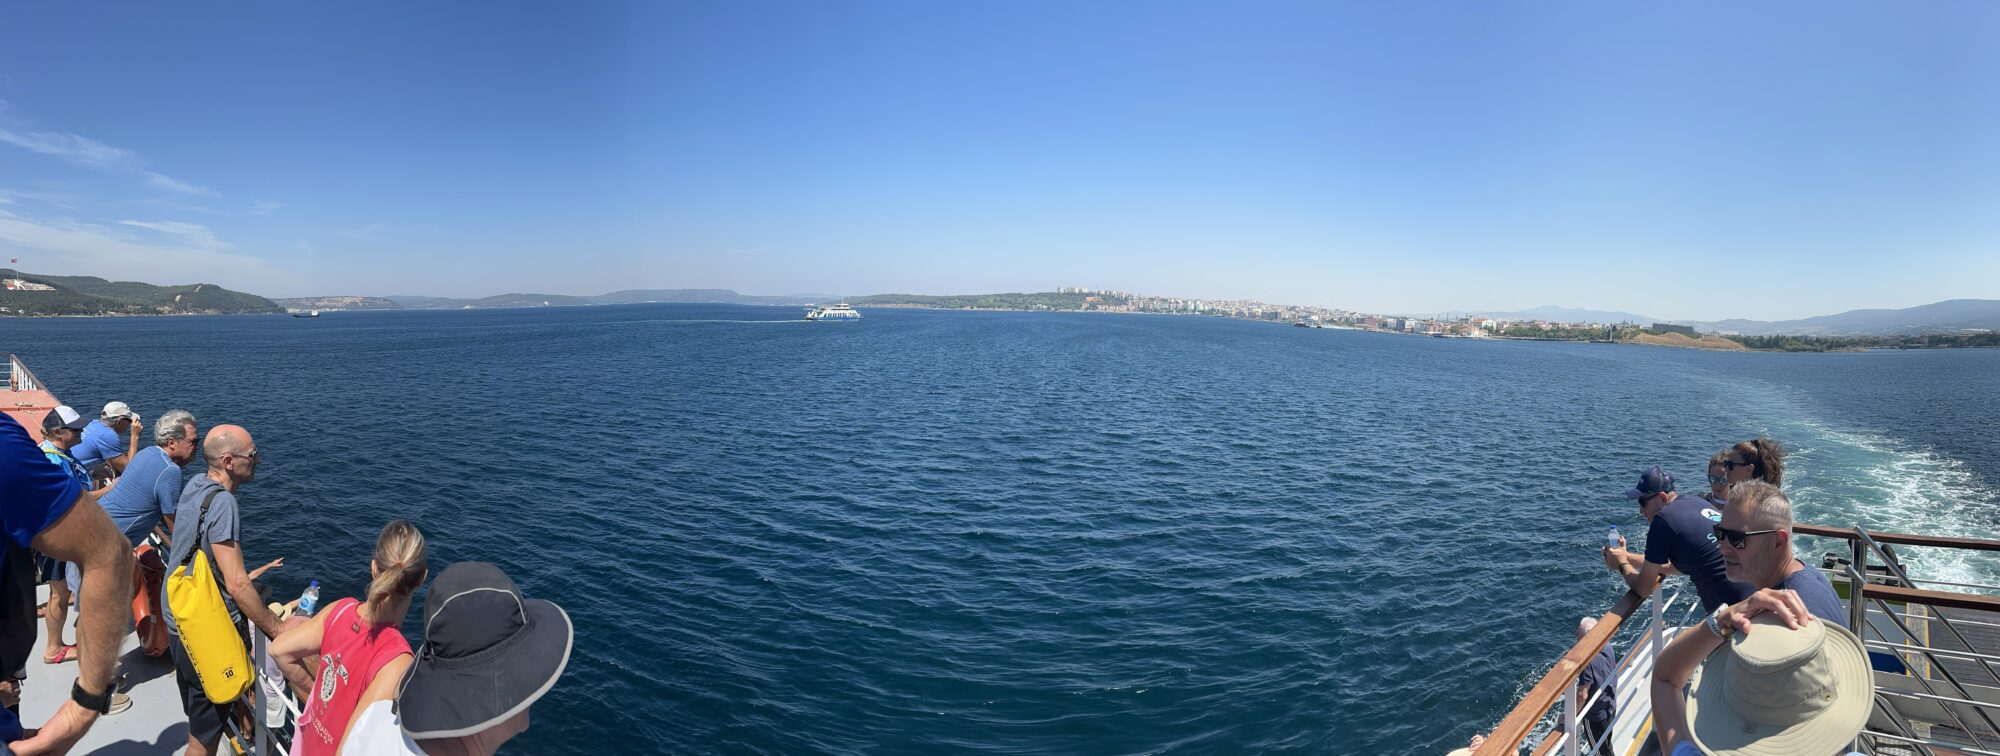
{"x":1951,"y":323}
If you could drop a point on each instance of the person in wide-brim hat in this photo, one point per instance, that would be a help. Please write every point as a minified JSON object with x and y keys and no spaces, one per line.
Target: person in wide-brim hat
{"x":1765,"y":688}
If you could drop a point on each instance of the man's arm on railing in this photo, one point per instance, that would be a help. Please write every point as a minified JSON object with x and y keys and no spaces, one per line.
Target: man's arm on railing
{"x":86,"y":537}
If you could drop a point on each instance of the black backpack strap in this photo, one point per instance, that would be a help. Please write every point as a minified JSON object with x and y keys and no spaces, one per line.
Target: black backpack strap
{"x":200,"y":530}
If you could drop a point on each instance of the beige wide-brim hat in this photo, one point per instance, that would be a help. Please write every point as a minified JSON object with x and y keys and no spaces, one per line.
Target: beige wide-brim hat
{"x":1775,"y":691}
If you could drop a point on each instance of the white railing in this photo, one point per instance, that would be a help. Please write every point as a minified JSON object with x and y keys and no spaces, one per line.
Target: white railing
{"x":18,"y":376}
{"x":1648,"y":646}
{"x":267,"y":740}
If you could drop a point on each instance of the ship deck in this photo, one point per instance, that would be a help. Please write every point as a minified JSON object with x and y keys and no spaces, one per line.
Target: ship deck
{"x":155,"y":724}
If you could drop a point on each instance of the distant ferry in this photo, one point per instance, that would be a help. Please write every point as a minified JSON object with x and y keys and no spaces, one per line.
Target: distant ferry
{"x":309,"y":314}
{"x":832,"y":312}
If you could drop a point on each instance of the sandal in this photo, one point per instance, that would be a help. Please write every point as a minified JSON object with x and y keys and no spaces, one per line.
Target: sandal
{"x":65,"y":654}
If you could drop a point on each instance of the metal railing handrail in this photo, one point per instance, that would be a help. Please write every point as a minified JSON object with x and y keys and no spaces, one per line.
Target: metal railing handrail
{"x":1903,"y":539}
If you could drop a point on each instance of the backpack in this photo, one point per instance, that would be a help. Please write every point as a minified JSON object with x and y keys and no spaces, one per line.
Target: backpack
{"x":213,"y":644}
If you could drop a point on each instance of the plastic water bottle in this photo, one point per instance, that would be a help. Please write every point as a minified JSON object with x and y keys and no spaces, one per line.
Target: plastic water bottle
{"x":1610,"y":540}
{"x":309,"y":601}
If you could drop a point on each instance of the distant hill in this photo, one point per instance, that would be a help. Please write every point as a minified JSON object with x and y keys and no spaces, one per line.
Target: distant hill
{"x":627,"y":296}
{"x":1557,"y":314}
{"x":1949,"y":316}
{"x":90,"y":295}
{"x":336,"y":303}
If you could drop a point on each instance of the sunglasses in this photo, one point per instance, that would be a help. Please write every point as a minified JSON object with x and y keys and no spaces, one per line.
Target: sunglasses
{"x":1716,"y":480}
{"x":1737,"y":538}
{"x":1733,"y":464}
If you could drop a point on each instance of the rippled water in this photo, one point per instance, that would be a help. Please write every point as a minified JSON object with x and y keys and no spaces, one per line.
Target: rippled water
{"x":1018,"y":533}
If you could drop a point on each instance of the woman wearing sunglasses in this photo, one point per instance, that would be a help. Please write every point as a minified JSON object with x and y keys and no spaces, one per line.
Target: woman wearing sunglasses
{"x":1718,"y":480}
{"x":1756,"y":459}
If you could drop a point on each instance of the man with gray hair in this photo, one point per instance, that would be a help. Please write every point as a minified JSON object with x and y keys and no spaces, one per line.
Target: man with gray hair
{"x":1755,"y":537}
{"x":146,"y":495}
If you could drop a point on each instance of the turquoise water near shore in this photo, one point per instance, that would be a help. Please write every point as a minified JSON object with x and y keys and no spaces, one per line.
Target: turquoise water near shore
{"x":1019,"y":533}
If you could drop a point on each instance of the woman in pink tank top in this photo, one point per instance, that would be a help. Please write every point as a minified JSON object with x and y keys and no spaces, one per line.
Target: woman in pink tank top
{"x":362,"y":652}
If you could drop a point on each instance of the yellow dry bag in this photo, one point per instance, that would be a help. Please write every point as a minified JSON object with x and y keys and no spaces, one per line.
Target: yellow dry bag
{"x":213,"y":644}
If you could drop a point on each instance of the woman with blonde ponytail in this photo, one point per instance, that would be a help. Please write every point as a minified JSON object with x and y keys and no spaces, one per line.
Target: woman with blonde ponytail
{"x":362,"y":652}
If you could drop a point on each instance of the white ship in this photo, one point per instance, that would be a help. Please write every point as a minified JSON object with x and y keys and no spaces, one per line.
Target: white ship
{"x":832,"y":312}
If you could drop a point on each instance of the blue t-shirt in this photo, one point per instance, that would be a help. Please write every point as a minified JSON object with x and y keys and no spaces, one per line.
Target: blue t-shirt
{"x":33,"y":495}
{"x":100,"y":444}
{"x":1817,"y":593}
{"x":1683,"y":535}
{"x":149,"y":489}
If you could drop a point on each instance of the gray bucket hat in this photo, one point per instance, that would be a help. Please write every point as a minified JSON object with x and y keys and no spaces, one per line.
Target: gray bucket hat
{"x":1775,"y":691}
{"x":488,"y":654}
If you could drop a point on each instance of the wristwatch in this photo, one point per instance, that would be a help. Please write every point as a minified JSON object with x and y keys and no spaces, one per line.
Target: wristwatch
{"x":1714,"y":626}
{"x":97,"y":702}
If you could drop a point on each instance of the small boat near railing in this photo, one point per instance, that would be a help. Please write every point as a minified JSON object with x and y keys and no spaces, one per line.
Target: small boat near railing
{"x":1935,"y":654}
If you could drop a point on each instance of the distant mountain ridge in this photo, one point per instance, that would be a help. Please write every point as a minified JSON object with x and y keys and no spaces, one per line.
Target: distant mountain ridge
{"x":1949,"y":316}
{"x":90,"y":295}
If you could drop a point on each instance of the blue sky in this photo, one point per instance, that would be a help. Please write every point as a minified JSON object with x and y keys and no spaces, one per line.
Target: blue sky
{"x":1691,"y":160}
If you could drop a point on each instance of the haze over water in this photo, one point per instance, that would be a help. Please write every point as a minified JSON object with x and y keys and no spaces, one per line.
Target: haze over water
{"x":1018,"y":533}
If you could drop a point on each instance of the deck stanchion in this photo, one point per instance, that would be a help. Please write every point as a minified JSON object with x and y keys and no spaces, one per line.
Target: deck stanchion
{"x":1569,"y":722}
{"x":1857,"y":618}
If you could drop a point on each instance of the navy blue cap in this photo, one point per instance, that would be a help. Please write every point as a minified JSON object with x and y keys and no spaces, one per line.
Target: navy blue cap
{"x":1653,"y":481}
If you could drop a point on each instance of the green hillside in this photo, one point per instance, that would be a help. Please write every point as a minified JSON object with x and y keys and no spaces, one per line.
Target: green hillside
{"x":90,"y":295}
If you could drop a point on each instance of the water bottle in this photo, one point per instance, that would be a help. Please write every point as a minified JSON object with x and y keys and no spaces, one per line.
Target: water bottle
{"x":309,"y":601}
{"x":1610,"y":540}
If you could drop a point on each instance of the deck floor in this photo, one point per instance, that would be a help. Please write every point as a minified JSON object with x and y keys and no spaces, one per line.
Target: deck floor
{"x":154,"y":725}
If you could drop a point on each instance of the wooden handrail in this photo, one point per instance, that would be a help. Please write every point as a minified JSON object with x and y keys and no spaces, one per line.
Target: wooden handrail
{"x":1514,"y":728}
{"x":1906,"y":539}
{"x":1945,"y":599}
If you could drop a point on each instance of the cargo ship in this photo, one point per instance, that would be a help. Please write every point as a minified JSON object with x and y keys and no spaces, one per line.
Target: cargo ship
{"x":155,"y":721}
{"x":1933,"y":645}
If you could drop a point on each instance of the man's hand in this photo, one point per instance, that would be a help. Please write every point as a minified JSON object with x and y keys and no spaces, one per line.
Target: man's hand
{"x":274,"y":564}
{"x":136,"y":427}
{"x":60,"y":733}
{"x":10,"y":693}
{"x":1783,"y":602}
{"x":1617,"y":558}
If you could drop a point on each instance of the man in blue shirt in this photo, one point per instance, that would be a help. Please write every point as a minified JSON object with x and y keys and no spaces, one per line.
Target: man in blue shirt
{"x":61,"y":429}
{"x":43,"y":507}
{"x":1680,"y":541}
{"x":103,"y":452}
{"x":150,"y":487}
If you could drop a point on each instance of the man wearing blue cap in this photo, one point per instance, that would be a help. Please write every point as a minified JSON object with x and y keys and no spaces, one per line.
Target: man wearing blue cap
{"x":1680,"y":541}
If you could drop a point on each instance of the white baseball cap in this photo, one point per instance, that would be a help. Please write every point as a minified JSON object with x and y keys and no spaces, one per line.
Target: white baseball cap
{"x":119,"y":409}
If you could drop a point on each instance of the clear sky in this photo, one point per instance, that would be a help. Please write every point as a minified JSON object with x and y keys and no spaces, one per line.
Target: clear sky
{"x":1681,"y":160}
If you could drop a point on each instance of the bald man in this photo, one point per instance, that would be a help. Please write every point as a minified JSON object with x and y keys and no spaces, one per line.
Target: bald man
{"x":232,"y":461}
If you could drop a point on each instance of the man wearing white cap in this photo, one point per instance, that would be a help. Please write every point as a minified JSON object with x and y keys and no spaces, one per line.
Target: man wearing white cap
{"x":101,"y":452}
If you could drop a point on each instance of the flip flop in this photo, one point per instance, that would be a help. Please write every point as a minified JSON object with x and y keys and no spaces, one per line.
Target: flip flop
{"x":66,"y":654}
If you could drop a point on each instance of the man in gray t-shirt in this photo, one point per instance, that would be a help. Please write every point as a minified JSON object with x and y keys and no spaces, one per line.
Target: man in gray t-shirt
{"x":232,"y":461}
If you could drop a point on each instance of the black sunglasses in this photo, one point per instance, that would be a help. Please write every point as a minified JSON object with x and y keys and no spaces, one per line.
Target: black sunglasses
{"x":1737,"y":538}
{"x":1730,"y":464}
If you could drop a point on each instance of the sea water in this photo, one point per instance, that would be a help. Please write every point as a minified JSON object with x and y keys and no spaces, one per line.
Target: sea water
{"x":942,"y":532}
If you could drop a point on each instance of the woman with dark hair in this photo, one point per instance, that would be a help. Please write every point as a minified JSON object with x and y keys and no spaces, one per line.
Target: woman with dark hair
{"x":1759,"y":458}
